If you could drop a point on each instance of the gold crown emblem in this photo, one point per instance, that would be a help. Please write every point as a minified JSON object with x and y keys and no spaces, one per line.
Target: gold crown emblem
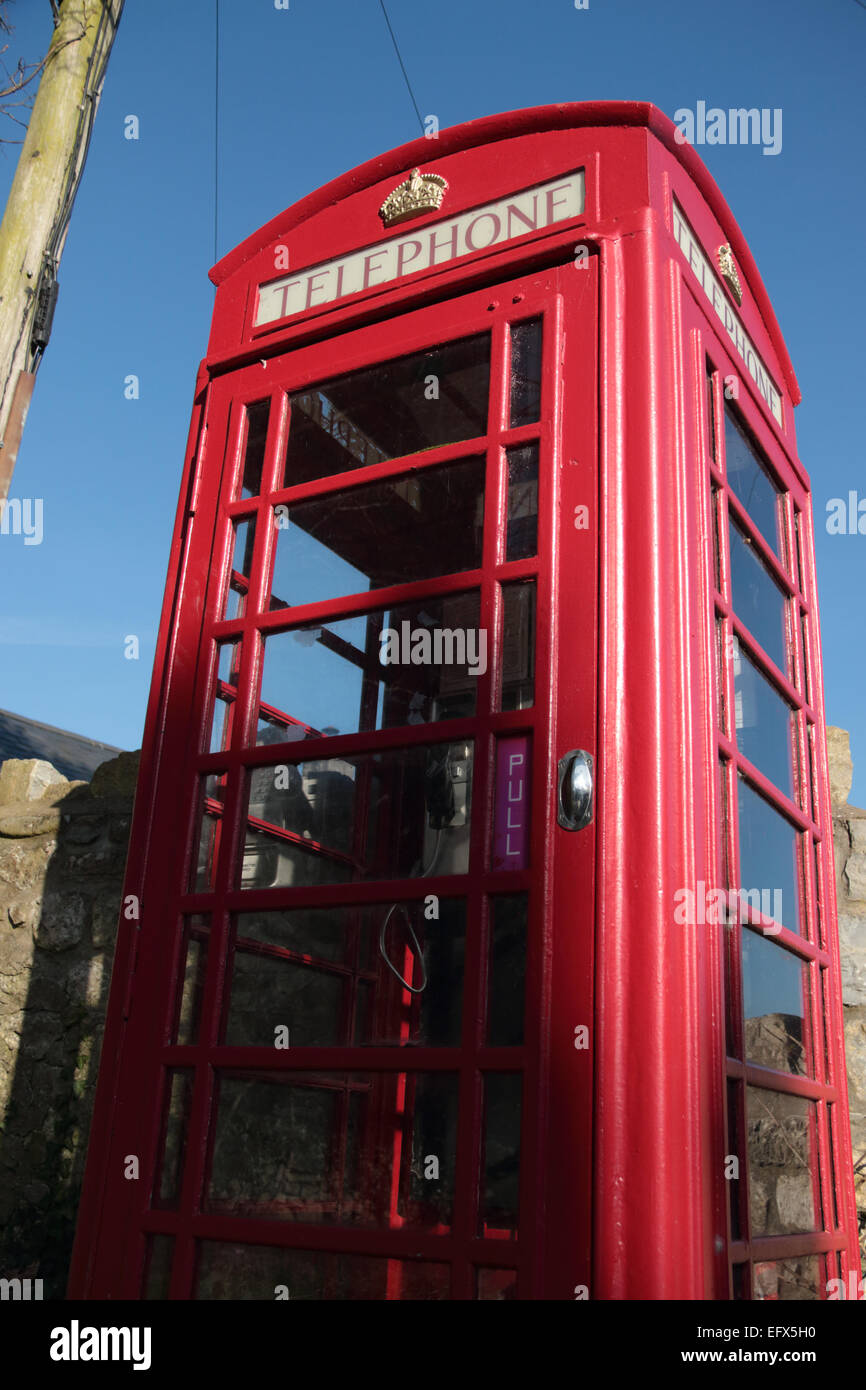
{"x":728,"y":267}
{"x":419,"y":193}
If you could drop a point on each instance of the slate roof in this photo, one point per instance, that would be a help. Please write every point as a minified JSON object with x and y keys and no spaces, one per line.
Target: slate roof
{"x":74,"y":756}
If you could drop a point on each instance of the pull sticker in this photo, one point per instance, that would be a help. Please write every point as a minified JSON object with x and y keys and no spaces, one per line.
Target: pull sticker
{"x":511,"y":814}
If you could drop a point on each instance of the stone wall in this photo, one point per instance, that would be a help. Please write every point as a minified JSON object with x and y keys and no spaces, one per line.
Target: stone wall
{"x":849,"y":837}
{"x":62,"y":854}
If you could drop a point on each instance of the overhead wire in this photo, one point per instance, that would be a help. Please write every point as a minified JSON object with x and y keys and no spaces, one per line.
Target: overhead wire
{"x":402,"y":66}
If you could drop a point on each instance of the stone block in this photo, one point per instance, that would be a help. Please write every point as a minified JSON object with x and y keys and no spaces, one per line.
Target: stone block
{"x":28,"y":779}
{"x":852,"y":953}
{"x":21,"y":824}
{"x":117,"y":778}
{"x":840,"y":765}
{"x":23,"y":865}
{"x":103,"y":923}
{"x":24,"y":912}
{"x":86,"y":982}
{"x":65,"y":918}
{"x":82,"y":830}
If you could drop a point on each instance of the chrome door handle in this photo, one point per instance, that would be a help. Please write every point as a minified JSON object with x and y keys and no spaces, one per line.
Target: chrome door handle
{"x":574,"y":790}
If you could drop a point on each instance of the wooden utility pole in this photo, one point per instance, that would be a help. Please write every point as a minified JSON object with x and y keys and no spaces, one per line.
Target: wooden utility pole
{"x":43,"y":191}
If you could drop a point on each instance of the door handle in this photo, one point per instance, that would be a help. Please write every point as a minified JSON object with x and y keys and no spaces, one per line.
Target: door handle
{"x":574,"y":790}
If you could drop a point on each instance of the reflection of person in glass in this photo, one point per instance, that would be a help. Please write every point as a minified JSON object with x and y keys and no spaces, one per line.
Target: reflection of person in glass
{"x":329,"y":785}
{"x":276,"y":796}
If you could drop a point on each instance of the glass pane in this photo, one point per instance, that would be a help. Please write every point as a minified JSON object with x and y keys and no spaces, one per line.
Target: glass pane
{"x":764,"y":722}
{"x":264,"y":1272}
{"x":721,"y":675}
{"x":711,"y":411}
{"x":525,"y":372}
{"x":820,"y":915}
{"x":798,"y":1278}
{"x":228,"y":661}
{"x":769,"y":859}
{"x":776,"y":1007}
{"x":522,"y":534}
{"x":175,"y":1121}
{"x":414,"y":664}
{"x":192,"y":988}
{"x":758,"y":601}
{"x":731,"y":952}
{"x":395,"y":408}
{"x":735,"y":1151}
{"x":806,"y":685}
{"x":241,"y":567}
{"x":212,"y":799}
{"x":500,"y":1174}
{"x":254,"y":453}
{"x":507,"y":977}
{"x":750,"y":481}
{"x":160,"y":1253}
{"x":782,"y":1141}
{"x":398,"y":813}
{"x":715,"y":502}
{"x":414,"y":527}
{"x":833,"y":1213}
{"x":496,"y":1284}
{"x":349,"y":1148}
{"x":221,"y":724}
{"x":518,"y":645}
{"x":323,"y":975}
{"x":800,"y":544}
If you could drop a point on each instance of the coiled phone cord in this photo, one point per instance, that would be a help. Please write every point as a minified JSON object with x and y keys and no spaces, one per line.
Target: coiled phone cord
{"x":400,"y":907}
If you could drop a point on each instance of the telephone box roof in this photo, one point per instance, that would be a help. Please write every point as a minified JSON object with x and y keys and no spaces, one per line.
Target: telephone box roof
{"x":507,"y":125}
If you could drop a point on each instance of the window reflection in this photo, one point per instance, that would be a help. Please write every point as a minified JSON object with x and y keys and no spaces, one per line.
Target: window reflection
{"x":776,"y":1006}
{"x":395,"y":408}
{"x":244,"y":535}
{"x":797,"y":1279}
{"x":769,"y":858}
{"x":253,"y":1272}
{"x":758,"y":600}
{"x":763,"y":722}
{"x":254,"y":450}
{"x":413,"y":664}
{"x":416,"y":526}
{"x":500,"y":1181}
{"x":782,"y":1140}
{"x":750,"y":481}
{"x":376,"y":974}
{"x":525,"y":372}
{"x":522,"y":526}
{"x":518,"y":645}
{"x":344,"y":1148}
{"x":507,"y":972}
{"x":401,"y":812}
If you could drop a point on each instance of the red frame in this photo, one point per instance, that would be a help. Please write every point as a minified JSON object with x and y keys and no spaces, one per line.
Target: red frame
{"x":622,"y":1142}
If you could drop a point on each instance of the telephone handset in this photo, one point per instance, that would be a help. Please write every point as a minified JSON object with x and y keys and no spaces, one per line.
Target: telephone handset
{"x":439,"y":787}
{"x":447,"y":771}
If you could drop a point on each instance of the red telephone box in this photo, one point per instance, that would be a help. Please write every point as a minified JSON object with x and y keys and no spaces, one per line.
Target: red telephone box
{"x":478,"y":937}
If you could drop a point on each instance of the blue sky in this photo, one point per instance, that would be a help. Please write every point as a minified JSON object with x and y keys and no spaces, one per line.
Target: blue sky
{"x":303,"y":95}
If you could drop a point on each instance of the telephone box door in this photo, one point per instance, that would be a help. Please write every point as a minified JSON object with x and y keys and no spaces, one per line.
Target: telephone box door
{"x":359,"y":1032}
